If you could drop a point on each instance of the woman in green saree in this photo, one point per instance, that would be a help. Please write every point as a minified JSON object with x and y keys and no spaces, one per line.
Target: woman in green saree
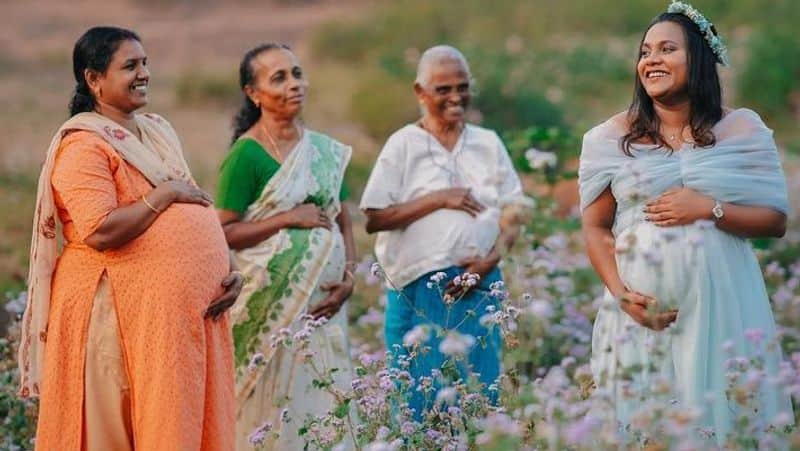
{"x":278,"y":199}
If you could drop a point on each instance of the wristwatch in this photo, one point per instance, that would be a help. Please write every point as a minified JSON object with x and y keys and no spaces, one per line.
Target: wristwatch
{"x":717,"y":211}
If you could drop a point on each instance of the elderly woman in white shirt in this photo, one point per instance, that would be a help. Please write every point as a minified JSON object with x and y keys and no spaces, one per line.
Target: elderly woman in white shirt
{"x":438,"y":197}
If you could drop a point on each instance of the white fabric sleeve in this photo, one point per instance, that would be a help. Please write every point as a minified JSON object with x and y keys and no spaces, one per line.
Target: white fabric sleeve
{"x":384,"y":187}
{"x":599,"y":161}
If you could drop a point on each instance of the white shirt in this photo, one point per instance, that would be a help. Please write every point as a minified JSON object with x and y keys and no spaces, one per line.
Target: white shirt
{"x":412,"y":164}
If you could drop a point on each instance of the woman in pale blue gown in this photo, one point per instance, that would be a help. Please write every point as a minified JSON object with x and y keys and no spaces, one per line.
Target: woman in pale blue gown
{"x":670,"y":191}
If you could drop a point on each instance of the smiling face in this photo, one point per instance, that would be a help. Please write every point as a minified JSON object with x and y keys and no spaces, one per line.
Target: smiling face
{"x":279,"y":86}
{"x":123,"y":86}
{"x":663,"y":67}
{"x":446,"y":95}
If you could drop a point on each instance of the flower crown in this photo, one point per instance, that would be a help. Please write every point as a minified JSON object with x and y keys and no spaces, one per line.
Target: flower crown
{"x":706,"y":28}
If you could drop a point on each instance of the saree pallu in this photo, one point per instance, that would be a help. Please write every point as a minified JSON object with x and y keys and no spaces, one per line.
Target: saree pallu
{"x":283,"y":276}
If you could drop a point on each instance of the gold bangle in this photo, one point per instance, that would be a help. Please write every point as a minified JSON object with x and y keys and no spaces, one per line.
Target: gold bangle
{"x":150,"y":206}
{"x":349,"y":275}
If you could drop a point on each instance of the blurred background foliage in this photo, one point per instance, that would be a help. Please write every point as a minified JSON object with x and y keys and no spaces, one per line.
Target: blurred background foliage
{"x":545,"y":72}
{"x":555,"y":64}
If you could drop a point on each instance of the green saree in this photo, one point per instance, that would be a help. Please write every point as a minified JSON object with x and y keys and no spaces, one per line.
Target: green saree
{"x":283,"y":275}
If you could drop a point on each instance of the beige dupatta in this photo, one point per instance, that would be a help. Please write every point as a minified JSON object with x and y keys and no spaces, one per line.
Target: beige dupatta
{"x":162,"y":160}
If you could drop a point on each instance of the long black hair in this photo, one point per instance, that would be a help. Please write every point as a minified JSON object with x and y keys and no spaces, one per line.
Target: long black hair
{"x":704,"y":91}
{"x":93,"y":51}
{"x":249,"y":113}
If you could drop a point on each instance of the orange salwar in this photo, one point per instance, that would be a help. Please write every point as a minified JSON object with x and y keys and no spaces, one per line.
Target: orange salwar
{"x":180,"y":365}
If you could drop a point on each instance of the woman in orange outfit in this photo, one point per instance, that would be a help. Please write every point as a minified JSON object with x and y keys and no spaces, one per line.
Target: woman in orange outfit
{"x":126,"y":338}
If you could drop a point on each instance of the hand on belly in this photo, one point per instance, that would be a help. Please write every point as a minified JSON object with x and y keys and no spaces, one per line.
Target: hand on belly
{"x":645,"y":311}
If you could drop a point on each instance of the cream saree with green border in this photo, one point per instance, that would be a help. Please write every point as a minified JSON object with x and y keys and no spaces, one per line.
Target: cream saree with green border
{"x":283,"y":275}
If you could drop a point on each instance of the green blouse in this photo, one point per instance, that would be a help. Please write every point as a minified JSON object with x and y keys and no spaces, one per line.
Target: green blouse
{"x":244,"y":174}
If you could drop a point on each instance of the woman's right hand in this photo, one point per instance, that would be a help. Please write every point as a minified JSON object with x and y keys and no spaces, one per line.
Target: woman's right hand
{"x":308,"y":216}
{"x":185,"y":192}
{"x":459,"y":199}
{"x":643,"y":310}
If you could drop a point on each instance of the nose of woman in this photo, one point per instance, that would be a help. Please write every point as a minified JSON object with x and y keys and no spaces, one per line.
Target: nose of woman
{"x":143,"y":73}
{"x":654,"y":57}
{"x":455,"y":98}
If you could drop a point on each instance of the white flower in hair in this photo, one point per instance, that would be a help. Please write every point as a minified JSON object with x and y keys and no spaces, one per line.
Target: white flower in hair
{"x":706,"y":28}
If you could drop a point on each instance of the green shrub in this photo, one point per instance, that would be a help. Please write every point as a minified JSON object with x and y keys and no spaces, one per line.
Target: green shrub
{"x":17,"y":415}
{"x":771,"y":77}
{"x":382,"y":103}
{"x":560,"y":141}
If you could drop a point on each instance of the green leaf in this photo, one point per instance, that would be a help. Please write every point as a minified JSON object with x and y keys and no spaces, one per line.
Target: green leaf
{"x":342,"y":409}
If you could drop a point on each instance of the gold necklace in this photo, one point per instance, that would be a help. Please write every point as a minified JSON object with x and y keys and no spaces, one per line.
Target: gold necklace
{"x":674,"y":136}
{"x":274,"y":143}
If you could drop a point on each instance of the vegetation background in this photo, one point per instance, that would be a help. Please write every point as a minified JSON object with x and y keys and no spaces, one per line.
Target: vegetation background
{"x":545,"y":73}
{"x":566,"y":65}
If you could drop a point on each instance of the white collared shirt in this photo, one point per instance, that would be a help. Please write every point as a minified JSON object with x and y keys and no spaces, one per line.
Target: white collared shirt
{"x":412,"y":164}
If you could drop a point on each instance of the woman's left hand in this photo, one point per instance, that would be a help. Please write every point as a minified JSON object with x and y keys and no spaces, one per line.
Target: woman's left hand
{"x":338,"y":294}
{"x":233,"y":285}
{"x":679,"y":206}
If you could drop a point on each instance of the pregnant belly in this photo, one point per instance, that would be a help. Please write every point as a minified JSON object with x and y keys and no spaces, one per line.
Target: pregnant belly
{"x":184,"y":249}
{"x":454,"y":231}
{"x":660,"y":262}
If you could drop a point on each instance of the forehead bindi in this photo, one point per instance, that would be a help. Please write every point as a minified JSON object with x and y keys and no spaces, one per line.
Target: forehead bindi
{"x":664,"y":33}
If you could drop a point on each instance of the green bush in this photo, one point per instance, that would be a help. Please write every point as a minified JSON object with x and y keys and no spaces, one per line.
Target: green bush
{"x":382,"y":103}
{"x":771,"y":78}
{"x":17,"y":415}
{"x":17,"y":199}
{"x":564,"y":144}
{"x":510,"y":91}
{"x":525,"y":75}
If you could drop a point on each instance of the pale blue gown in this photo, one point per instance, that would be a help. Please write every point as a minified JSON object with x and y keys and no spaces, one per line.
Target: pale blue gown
{"x":710,"y":276}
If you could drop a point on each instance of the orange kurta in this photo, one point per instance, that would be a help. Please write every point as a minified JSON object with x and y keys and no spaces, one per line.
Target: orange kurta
{"x":180,"y":365}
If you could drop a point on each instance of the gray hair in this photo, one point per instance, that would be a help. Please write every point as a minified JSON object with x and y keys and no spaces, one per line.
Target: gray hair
{"x":437,"y":55}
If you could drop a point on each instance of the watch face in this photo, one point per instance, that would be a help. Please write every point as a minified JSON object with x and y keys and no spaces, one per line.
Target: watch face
{"x":717,"y":211}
